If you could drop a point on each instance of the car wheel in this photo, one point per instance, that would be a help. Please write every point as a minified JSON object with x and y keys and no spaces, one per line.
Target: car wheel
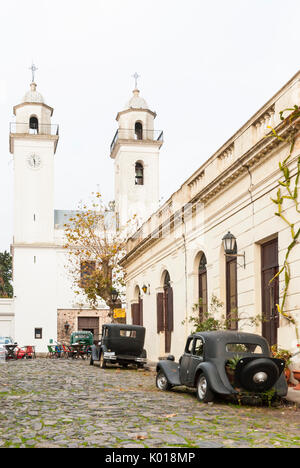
{"x":204,"y":392}
{"x":162,"y":382}
{"x":102,"y":361}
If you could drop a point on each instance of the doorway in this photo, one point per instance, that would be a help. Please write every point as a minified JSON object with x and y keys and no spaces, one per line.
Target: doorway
{"x":89,"y":324}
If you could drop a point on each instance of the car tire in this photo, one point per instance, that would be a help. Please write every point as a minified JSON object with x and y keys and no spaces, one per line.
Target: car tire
{"x":162,"y":382}
{"x":204,"y":391}
{"x":102,"y":361}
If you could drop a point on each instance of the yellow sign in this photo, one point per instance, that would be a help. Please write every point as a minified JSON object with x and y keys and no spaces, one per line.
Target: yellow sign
{"x":119,"y":313}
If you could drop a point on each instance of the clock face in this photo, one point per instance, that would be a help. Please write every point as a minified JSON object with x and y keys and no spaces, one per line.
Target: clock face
{"x":34,"y":161}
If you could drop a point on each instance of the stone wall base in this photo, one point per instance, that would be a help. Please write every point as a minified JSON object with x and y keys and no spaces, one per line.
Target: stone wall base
{"x":68,"y":321}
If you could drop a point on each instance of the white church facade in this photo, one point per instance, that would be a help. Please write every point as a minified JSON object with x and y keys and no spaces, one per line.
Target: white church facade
{"x":44,"y":308}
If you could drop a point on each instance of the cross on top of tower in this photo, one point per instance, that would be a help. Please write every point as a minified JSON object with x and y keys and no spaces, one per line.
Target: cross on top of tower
{"x":136,"y":76}
{"x":33,"y":69}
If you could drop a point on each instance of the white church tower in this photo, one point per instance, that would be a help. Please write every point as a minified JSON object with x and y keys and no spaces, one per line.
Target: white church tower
{"x":135,"y":150}
{"x":33,"y":142}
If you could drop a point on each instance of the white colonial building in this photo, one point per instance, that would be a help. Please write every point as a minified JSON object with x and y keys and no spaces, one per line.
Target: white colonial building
{"x":177,"y":256}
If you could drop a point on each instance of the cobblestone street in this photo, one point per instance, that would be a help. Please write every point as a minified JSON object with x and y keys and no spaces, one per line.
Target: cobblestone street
{"x":68,"y":403}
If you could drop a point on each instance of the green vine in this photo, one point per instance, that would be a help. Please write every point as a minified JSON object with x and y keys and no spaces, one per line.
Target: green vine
{"x":287,"y":191}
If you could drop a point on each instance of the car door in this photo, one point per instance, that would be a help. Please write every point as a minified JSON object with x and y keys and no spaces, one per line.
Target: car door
{"x":185,"y":362}
{"x":196,"y":358}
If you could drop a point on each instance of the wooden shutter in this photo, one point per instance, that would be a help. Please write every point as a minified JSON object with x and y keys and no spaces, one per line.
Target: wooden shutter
{"x":160,"y":312}
{"x":141,"y":312}
{"x":135,"y":312}
{"x":169,"y":314}
{"x":231,"y":293}
{"x":270,"y":291}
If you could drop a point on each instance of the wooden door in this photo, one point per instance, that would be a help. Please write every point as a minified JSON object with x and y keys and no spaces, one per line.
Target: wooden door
{"x":165,"y":319}
{"x":270,"y":291}
{"x":89,"y":324}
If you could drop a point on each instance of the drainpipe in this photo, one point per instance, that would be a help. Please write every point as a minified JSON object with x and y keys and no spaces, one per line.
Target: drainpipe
{"x":185,"y":277}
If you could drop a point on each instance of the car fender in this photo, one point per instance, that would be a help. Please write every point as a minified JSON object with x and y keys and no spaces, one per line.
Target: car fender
{"x":281,"y":386}
{"x":211,"y":373}
{"x":95,"y":353}
{"x":171,"y":371}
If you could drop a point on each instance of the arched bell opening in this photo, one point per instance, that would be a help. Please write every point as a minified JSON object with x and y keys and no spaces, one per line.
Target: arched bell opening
{"x":33,"y":124}
{"x":139,"y":173}
{"x":138,"y":130}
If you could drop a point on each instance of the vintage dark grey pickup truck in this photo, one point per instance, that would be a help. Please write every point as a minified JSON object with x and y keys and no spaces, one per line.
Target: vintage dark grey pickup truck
{"x":204,"y":366}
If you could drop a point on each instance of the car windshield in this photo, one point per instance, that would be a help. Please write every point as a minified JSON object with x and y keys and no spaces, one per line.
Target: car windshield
{"x":244,"y":348}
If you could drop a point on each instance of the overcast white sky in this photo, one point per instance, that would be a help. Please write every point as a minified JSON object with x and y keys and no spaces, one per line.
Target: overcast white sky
{"x":205,"y":66}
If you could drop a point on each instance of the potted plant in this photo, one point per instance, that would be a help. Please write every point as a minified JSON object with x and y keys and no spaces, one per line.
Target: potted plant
{"x":230,"y":368}
{"x":284,"y":354}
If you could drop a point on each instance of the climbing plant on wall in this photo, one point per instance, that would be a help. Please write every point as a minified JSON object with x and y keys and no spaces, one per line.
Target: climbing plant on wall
{"x":288,"y":191}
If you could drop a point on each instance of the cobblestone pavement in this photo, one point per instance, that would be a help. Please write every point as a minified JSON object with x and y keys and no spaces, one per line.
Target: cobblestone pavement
{"x":68,"y":403}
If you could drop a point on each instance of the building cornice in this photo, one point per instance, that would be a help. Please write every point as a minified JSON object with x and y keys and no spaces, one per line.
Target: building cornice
{"x":29,"y":136}
{"x":133,"y":109}
{"x":41,"y":104}
{"x":133,"y":142}
{"x":35,"y":245}
{"x":260,"y":151}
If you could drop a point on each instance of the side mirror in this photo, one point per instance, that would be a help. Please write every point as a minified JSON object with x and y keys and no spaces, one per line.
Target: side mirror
{"x":171,"y":357}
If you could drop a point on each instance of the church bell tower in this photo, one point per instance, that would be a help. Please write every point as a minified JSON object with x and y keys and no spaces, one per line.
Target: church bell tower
{"x":135,"y":150}
{"x":33,"y":140}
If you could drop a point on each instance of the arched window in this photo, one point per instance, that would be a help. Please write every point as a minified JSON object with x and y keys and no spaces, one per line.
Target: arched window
{"x":202,"y":282}
{"x":167,"y":281}
{"x":33,"y":124}
{"x":139,"y":174}
{"x":138,"y":130}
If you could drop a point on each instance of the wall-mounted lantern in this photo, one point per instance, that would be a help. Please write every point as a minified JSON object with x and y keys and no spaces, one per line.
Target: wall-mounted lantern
{"x":114,"y":295}
{"x":67,"y":327}
{"x":146,"y":289}
{"x":230,"y":247}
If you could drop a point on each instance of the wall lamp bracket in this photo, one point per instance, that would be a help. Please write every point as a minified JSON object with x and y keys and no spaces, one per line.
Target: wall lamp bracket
{"x":238,"y":255}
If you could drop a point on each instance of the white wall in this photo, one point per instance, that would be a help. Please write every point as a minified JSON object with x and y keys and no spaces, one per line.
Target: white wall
{"x":35,"y":292}
{"x":7,"y":325}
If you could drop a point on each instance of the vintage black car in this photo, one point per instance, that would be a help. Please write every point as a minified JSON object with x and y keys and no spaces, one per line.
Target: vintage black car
{"x":204,"y":366}
{"x":122,"y":344}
